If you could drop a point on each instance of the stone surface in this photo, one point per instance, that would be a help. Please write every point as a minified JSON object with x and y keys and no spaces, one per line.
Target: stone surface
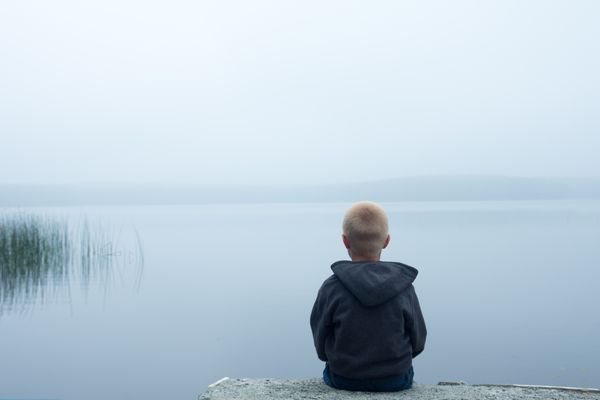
{"x":315,"y":389}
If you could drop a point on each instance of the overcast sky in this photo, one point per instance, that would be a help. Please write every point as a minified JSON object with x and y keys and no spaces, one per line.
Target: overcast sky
{"x":297,"y":91}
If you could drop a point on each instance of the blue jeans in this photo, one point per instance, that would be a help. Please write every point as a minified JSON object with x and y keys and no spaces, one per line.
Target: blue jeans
{"x":392,"y":384}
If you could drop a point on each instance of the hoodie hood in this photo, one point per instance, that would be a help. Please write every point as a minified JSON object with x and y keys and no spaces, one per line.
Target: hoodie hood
{"x":374,"y":282}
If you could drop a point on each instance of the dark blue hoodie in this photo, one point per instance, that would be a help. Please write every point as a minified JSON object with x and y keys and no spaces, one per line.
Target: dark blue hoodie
{"x":366,"y":321}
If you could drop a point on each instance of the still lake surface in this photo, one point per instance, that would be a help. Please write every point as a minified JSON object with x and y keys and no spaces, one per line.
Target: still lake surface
{"x":509,"y":291}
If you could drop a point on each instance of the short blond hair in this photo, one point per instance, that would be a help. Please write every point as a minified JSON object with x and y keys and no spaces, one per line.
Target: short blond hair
{"x":366,"y":228}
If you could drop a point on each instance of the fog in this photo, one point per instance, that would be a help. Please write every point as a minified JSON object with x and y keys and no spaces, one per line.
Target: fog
{"x":296,"y":91}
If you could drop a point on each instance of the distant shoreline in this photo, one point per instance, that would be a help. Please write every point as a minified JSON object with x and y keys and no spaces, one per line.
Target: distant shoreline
{"x":433,"y":188}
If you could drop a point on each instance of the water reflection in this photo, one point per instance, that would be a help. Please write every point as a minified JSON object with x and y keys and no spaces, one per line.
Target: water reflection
{"x":42,"y":256}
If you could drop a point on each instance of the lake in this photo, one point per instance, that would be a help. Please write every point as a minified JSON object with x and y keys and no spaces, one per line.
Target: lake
{"x":509,"y":291}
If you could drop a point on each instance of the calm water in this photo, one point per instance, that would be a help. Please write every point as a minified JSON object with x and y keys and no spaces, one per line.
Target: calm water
{"x":509,"y":292}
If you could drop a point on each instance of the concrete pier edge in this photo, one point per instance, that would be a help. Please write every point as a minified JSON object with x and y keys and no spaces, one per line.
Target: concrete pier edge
{"x":314,"y":389}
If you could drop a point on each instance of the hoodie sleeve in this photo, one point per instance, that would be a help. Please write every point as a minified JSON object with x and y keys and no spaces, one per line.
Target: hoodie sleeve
{"x":415,"y":324}
{"x":320,"y":322}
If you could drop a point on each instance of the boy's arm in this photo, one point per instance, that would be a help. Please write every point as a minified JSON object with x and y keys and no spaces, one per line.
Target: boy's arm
{"x":415,"y":324}
{"x":320,"y":324}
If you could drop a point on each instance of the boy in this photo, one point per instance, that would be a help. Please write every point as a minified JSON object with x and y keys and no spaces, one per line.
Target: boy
{"x":366,"y":322}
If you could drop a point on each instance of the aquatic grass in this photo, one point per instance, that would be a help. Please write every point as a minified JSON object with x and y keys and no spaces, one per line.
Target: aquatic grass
{"x":35,"y":256}
{"x":103,"y":255}
{"x":41,"y":254}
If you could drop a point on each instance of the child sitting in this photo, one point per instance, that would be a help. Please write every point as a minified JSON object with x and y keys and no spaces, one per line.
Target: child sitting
{"x":366,"y":322}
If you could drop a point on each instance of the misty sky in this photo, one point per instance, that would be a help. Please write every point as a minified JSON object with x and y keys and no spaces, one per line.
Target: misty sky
{"x":297,"y":91}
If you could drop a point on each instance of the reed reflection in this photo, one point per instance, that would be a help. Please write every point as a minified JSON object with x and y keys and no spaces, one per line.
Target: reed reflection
{"x":42,"y":256}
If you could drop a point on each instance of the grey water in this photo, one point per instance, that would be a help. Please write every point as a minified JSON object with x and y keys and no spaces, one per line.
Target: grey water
{"x":508,"y":290}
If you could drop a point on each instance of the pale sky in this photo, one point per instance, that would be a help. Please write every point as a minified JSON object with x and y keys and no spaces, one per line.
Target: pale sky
{"x":297,"y":91}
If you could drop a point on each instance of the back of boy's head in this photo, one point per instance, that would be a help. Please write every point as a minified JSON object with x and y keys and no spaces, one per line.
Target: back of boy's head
{"x":366,"y":228}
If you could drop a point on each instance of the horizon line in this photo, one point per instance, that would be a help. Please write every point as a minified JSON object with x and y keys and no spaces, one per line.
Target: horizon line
{"x":300,"y":184}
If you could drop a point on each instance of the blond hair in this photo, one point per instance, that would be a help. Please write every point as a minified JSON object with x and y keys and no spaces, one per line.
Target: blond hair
{"x":366,"y":228}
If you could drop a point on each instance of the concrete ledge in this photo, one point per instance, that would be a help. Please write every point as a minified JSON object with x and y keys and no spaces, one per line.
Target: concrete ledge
{"x":315,"y":389}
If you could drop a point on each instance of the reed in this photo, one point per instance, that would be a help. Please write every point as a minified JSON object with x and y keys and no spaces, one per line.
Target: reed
{"x":40,"y":255}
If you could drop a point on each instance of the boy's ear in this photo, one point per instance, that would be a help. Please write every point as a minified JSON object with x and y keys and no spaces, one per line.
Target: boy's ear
{"x":387,"y":241}
{"x":346,"y":241}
